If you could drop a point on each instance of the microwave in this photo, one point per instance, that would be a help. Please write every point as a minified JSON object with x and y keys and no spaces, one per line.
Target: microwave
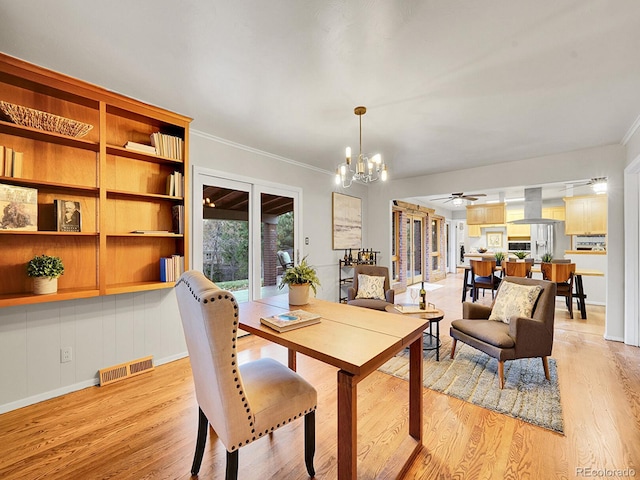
{"x":519,"y":246}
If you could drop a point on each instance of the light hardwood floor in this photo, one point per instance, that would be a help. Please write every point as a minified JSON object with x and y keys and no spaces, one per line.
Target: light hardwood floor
{"x":145,"y":427}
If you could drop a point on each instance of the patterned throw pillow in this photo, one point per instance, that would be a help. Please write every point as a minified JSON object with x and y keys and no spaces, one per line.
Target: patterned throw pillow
{"x":514,"y":300}
{"x":370,"y":287}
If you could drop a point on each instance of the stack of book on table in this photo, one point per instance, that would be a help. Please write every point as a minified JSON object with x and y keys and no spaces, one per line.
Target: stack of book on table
{"x":283,"y":322}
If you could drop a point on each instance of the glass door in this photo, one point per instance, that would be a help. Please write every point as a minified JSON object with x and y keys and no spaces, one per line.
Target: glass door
{"x":248,"y":234}
{"x":438,"y":249}
{"x":415,"y":251}
{"x":226,"y":233}
{"x":278,"y":245}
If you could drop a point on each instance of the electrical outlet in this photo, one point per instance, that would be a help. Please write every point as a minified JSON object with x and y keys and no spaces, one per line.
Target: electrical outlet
{"x":66,"y":354}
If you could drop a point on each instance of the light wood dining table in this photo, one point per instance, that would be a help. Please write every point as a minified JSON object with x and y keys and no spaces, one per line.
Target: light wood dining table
{"x":357,"y":341}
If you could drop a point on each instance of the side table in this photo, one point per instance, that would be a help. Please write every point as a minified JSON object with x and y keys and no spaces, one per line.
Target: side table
{"x":430,"y":341}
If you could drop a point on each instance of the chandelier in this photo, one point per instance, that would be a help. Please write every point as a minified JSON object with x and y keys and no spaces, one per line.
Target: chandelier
{"x":367,"y":169}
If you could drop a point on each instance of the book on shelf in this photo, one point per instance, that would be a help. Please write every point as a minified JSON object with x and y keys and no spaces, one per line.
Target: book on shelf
{"x":283,"y":322}
{"x":175,"y":184}
{"x":68,"y":216}
{"x":152,"y":232}
{"x":8,"y":161}
{"x":171,"y":268}
{"x":140,"y":147}
{"x":18,"y":208}
{"x":167,"y":145}
{"x":177,"y":219}
{"x":1,"y":160}
{"x":17,"y":164}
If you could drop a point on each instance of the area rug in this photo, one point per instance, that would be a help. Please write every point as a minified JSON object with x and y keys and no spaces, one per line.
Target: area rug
{"x":472,"y":376}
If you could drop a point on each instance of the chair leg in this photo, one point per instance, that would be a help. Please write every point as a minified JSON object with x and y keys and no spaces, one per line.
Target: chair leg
{"x":545,"y":365}
{"x":203,"y":425}
{"x":570,"y":305}
{"x":453,"y":347}
{"x":232,"y":466}
{"x":501,"y":373}
{"x":310,"y":441}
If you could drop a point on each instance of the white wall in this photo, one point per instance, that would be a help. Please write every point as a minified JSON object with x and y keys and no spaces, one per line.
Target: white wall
{"x":606,"y":161}
{"x":109,"y":330}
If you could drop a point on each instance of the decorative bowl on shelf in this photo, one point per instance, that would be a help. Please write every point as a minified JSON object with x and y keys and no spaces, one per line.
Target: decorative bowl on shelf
{"x":29,"y":117}
{"x":482,"y":250}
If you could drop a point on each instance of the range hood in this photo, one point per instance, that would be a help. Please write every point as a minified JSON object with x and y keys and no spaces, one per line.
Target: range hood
{"x":533,"y":209}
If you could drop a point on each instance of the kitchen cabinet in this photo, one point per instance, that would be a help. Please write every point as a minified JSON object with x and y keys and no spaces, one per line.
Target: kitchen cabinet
{"x":493,"y":214}
{"x":474,"y":231}
{"x":556,"y":213}
{"x":514,"y":230}
{"x":585,"y":215}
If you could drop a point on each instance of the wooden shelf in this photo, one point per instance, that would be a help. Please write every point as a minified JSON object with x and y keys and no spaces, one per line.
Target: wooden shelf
{"x":119,"y":190}
{"x":49,"y":137}
{"x":143,"y":196}
{"x":49,"y":233}
{"x":8,"y":300}
{"x":138,"y":287}
{"x":147,"y":157}
{"x":146,"y":235}
{"x":67,"y":188}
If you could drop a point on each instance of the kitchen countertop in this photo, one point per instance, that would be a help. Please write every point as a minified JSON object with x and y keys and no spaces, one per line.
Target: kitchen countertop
{"x":585,"y":252}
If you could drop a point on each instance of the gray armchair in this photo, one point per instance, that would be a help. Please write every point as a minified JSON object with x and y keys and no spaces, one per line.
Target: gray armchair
{"x":375,"y":303}
{"x":522,"y":337}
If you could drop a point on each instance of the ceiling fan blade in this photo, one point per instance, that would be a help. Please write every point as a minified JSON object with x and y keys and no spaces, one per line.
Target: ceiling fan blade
{"x":470,"y":198}
{"x":442,"y":198}
{"x":478,"y":194}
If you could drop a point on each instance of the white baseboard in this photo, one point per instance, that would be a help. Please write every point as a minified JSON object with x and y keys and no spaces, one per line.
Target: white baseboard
{"x":41,"y":397}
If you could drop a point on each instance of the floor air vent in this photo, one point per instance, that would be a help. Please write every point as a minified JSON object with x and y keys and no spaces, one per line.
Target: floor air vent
{"x":125,"y":370}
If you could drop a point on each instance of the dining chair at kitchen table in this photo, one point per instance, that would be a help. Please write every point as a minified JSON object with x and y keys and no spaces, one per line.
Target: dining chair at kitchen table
{"x":516,"y":269}
{"x":563,"y":275}
{"x":483,"y":275}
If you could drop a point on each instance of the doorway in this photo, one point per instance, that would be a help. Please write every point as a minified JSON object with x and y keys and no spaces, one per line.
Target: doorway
{"x":415,"y":251}
{"x":245,"y":225}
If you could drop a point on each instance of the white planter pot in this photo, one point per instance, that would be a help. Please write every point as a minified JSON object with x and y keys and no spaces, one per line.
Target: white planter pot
{"x":45,"y":285}
{"x":299,"y":294}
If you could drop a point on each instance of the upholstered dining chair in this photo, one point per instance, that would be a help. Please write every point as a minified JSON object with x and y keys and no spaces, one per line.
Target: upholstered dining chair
{"x":371,"y":287}
{"x":562,"y":274}
{"x":516,"y":269}
{"x":519,"y":324}
{"x":483,"y":275}
{"x":242,"y":403}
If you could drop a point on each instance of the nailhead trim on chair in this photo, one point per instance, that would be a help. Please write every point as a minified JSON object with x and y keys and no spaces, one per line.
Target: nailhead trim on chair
{"x":234,"y":370}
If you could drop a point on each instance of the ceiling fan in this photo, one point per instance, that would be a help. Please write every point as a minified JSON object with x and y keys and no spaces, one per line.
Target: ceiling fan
{"x":597,"y":184}
{"x":457,"y":198}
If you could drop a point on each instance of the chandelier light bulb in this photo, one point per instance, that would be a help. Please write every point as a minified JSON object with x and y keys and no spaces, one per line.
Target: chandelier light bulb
{"x":383,"y":174}
{"x":347,"y":153}
{"x":377,"y":159}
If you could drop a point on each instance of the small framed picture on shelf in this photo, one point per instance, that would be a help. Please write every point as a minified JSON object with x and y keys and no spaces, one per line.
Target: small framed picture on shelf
{"x":68,"y":216}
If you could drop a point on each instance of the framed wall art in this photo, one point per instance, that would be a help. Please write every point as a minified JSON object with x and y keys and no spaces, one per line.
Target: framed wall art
{"x":346,"y":221}
{"x":494,"y":239}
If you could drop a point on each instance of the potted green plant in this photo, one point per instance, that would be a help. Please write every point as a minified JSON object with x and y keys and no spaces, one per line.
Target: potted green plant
{"x":547,"y":257}
{"x":45,"y":271}
{"x":521,"y":255}
{"x":499,"y":258}
{"x":300,"y":278}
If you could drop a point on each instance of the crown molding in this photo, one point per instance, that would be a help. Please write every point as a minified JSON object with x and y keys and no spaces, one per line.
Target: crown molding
{"x":256,"y":151}
{"x":632,"y":130}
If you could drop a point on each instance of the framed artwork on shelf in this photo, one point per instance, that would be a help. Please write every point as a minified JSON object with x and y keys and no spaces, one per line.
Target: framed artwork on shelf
{"x":346,"y":221}
{"x":68,"y":217}
{"x":494,"y":239}
{"x":18,"y":208}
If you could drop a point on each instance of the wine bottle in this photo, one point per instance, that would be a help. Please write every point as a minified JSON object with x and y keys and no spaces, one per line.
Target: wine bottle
{"x":423,"y":298}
